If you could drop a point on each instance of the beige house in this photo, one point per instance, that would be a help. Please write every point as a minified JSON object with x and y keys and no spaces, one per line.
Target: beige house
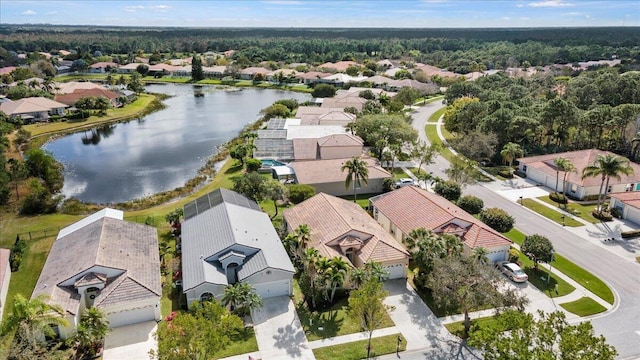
{"x":408,"y":208}
{"x":628,"y":204}
{"x":5,"y":277}
{"x":341,"y":228}
{"x":326,"y":176}
{"x":32,"y":109}
{"x":105,"y":262}
{"x":337,"y":146}
{"x":314,"y":115}
{"x":542,"y":169}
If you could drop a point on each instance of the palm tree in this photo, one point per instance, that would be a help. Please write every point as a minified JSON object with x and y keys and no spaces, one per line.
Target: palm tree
{"x":336,"y":275}
{"x":510,"y":152}
{"x":91,"y":331}
{"x":560,"y":164}
{"x":567,"y":167}
{"x":33,"y":319}
{"x":241,"y":297}
{"x":356,"y":171}
{"x":607,"y":166}
{"x":415,"y":236}
{"x":303,"y":234}
{"x":480,"y":254}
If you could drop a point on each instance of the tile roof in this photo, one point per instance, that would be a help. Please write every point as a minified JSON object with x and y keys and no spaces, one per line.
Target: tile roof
{"x":130,"y":248}
{"x":104,"y":64}
{"x":333,"y":221}
{"x":338,"y":66}
{"x":631,"y":198}
{"x":71,"y":86}
{"x":29,"y":105}
{"x":340,"y":140}
{"x":328,"y":171}
{"x":581,"y":159}
{"x":411,"y":208}
{"x":78,"y":94}
{"x":305,"y":149}
{"x":312,"y":75}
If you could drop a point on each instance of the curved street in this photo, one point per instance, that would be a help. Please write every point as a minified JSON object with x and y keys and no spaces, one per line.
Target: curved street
{"x":621,"y":325}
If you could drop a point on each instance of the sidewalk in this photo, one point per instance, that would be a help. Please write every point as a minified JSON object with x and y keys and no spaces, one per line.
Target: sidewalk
{"x":392,"y":330}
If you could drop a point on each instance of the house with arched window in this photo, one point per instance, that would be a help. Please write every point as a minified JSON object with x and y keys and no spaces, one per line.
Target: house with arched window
{"x":226,"y":238}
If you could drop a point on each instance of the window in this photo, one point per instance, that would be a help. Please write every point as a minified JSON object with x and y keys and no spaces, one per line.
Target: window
{"x":574,"y":188}
{"x":349,"y":254}
{"x":206,"y":296}
{"x":232,"y":273}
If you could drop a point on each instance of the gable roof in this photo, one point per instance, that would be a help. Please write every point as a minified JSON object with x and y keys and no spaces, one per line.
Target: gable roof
{"x":78,"y":94}
{"x":105,"y":242}
{"x":630,"y":198}
{"x":224,"y":220}
{"x":329,"y":170}
{"x":581,"y":159}
{"x":340,"y":140}
{"x":332,"y":220}
{"x":29,"y":105}
{"x":411,"y":208}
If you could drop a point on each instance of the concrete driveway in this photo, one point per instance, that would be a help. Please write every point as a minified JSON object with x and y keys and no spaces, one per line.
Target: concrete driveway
{"x":131,"y":342}
{"x":279,"y":332}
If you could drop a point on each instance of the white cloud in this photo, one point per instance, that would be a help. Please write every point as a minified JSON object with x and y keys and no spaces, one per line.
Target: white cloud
{"x":133,"y":8}
{"x":505,"y":18}
{"x":283,"y":2}
{"x":29,"y":13}
{"x":160,"y":8}
{"x":550,"y":3}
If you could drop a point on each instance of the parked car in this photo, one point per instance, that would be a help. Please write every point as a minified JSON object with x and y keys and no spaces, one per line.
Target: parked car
{"x":512,"y":271}
{"x":404,"y":182}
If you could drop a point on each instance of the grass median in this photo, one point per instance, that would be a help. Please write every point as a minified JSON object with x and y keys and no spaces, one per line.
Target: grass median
{"x":583,"y":211}
{"x":358,"y":349}
{"x":550,"y":213}
{"x":584,"y":306}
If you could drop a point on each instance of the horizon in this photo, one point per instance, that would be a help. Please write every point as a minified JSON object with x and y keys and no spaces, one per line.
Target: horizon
{"x":331,"y":14}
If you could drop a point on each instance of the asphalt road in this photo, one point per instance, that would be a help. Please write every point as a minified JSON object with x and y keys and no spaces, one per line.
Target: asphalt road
{"x":621,"y":326}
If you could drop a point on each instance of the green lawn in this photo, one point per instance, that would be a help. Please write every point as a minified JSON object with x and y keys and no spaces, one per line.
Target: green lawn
{"x":549,"y":213}
{"x":578,"y":274}
{"x":583,"y":211}
{"x":432,"y":135}
{"x":457,"y":328}
{"x":334,"y":321}
{"x":584,"y":306}
{"x":242,"y":343}
{"x":358,"y":349}
{"x":361,"y":199}
{"x":436,"y":115}
{"x":398,"y":174}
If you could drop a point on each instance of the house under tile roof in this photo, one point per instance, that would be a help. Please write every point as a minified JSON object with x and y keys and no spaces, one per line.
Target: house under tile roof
{"x":337,"y":224}
{"x":30,"y":105}
{"x":329,"y":171}
{"x":411,"y":208}
{"x":71,"y":98}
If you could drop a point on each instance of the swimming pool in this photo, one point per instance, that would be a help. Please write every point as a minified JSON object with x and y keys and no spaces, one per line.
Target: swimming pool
{"x":270,"y":163}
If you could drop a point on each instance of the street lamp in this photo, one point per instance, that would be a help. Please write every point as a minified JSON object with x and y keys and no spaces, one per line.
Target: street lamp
{"x":521,"y":204}
{"x":562,"y":217}
{"x":398,"y":346}
{"x":550,"y":267}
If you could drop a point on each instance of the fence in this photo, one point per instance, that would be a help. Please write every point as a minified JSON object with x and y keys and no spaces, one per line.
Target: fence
{"x":39,"y":234}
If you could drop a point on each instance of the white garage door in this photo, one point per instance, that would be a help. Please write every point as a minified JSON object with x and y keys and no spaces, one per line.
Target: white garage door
{"x":131,"y":317}
{"x":396,"y":271}
{"x":496,"y":256}
{"x":272,"y":289}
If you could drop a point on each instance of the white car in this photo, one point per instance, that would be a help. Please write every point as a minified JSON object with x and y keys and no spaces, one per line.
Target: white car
{"x":404,"y":182}
{"x":512,"y":271}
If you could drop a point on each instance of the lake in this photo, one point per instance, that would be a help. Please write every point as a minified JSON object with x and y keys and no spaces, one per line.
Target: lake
{"x":160,"y":151}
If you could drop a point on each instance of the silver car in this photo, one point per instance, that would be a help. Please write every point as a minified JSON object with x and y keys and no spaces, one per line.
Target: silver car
{"x":512,"y":271}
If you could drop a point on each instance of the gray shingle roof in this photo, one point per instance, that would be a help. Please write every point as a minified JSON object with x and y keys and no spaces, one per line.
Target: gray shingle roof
{"x":233,"y":223}
{"x":107,"y":243}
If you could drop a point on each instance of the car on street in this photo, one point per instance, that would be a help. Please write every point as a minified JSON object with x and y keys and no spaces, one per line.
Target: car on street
{"x":512,"y":271}
{"x":404,"y":182}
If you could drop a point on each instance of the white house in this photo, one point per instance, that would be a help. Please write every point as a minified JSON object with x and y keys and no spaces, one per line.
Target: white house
{"x":409,"y":208}
{"x":341,"y":228}
{"x":105,"y":262}
{"x":5,"y":277}
{"x":226,"y":239}
{"x":628,"y":204}
{"x":542,"y":169}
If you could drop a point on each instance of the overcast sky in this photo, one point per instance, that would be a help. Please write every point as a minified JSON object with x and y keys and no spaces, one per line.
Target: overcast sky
{"x":326,"y":13}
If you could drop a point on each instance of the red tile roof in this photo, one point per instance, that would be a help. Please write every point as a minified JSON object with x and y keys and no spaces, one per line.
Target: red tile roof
{"x":73,"y":97}
{"x":631,"y":198}
{"x":411,"y":208}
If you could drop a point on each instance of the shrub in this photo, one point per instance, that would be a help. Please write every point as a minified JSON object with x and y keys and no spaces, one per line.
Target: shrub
{"x":300,"y":192}
{"x":17,"y":250}
{"x":324,"y":91}
{"x":630,"y":233}
{"x":388,"y":184}
{"x":449,"y":190}
{"x":507,"y":174}
{"x":559,"y":198}
{"x":615,"y":212}
{"x":514,"y":255}
{"x":471,"y":204}
{"x":602,"y":215}
{"x":253,"y":165}
{"x":497,"y":219}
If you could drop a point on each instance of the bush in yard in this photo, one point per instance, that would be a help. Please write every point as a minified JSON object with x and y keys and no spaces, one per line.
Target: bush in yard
{"x":630,"y":234}
{"x":514,"y":255}
{"x":388,"y":184}
{"x":615,"y":212}
{"x":604,"y":216}
{"x":448,"y":189}
{"x":300,"y":192}
{"x":471,"y":204}
{"x":253,"y":165}
{"x":497,"y":219}
{"x":17,"y":250}
{"x":507,"y":174}
{"x":537,"y":248}
{"x":559,"y":198}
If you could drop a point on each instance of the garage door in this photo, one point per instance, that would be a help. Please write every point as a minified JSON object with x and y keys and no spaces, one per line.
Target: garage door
{"x":396,"y":271}
{"x":496,"y":256}
{"x":277,"y":288}
{"x":131,"y":317}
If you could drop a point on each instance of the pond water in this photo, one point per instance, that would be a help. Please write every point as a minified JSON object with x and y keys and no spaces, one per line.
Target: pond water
{"x":161,"y":151}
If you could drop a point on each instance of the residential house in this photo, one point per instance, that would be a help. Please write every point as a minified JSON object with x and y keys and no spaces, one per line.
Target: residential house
{"x":7,"y":70}
{"x":336,"y":146}
{"x":129,"y":68}
{"x":627,"y":204}
{"x":542,"y":169}
{"x":311,"y":77}
{"x":344,"y":102}
{"x":104,"y":262}
{"x":72,"y":98}
{"x":103,"y":67}
{"x":340,"y":79}
{"x":226,"y":239}
{"x":314,"y":115}
{"x":409,"y":208}
{"x":327,"y":176}
{"x":286,"y":74}
{"x":340,"y":66}
{"x":5,"y":277}
{"x":385,"y":64}
{"x":431,"y":70}
{"x":341,"y":228}
{"x":250,"y":72}
{"x":32,"y":109}
{"x":72,"y":86}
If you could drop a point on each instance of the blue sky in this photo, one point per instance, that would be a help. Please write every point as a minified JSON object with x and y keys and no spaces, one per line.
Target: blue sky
{"x":326,"y":13}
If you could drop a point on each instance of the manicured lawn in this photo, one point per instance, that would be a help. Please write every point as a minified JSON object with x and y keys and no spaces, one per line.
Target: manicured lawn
{"x":457,"y":328}
{"x":578,"y":274}
{"x":74,"y":77}
{"x":550,"y":213}
{"x":398,"y":174}
{"x":334,"y":321}
{"x":436,"y":115}
{"x":361,"y":199}
{"x":584,"y":306}
{"x":583,"y":211}
{"x":584,"y":278}
{"x":432,"y":135}
{"x":358,"y":350}
{"x":242,"y":343}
